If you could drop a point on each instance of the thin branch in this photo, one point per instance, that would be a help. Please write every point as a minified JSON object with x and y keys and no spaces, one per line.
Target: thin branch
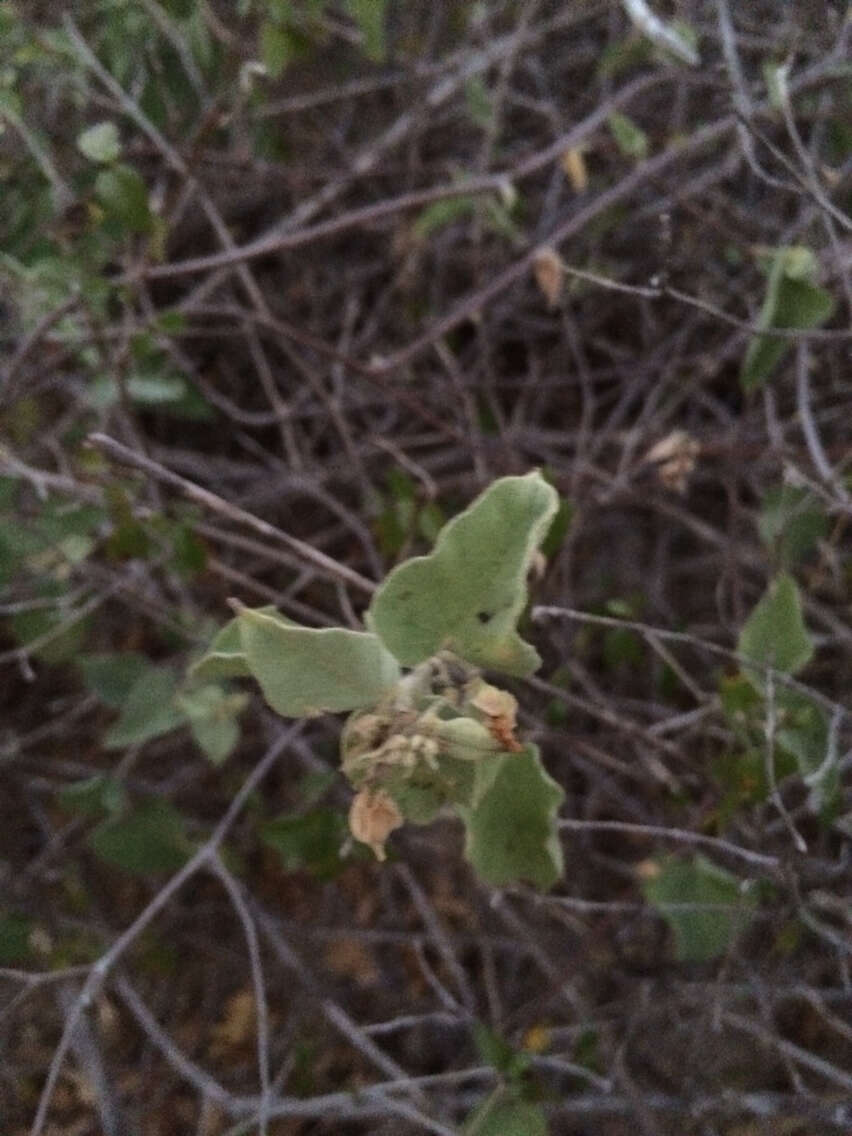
{"x":216,"y":504}
{"x":681,"y":835}
{"x":261,"y":1006}
{"x":107,"y":961}
{"x":542,"y":612}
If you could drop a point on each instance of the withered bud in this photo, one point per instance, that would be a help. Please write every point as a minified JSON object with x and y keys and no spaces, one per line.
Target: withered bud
{"x":373,"y":815}
{"x":496,"y":703}
{"x":675,"y":457}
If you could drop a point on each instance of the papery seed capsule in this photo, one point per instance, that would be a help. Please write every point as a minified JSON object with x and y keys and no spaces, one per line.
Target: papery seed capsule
{"x":373,"y":816}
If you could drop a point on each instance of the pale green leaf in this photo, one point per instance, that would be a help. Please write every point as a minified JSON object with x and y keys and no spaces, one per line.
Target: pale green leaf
{"x":124,"y":196}
{"x":775,"y":633}
{"x":224,"y":658}
{"x":304,"y":671}
{"x":370,"y":16}
{"x":276,"y":48}
{"x":154,"y":390}
{"x":804,"y":733}
{"x":212,"y":713}
{"x":792,"y":301}
{"x":775,"y":77}
{"x":704,"y":905}
{"x":100,"y":143}
{"x":468,"y":594}
{"x":791,"y":523}
{"x":511,"y":831}
{"x":149,"y":710}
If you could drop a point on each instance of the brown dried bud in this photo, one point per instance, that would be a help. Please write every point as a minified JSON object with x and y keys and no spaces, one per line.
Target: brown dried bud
{"x":549,"y":273}
{"x":501,"y":709}
{"x":496,"y":703}
{"x":373,"y":815}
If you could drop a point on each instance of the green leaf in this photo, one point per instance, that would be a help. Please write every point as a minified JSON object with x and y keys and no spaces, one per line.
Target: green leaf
{"x":276,"y":48}
{"x":180,"y":9}
{"x":511,"y":830}
{"x":740,"y":701}
{"x":213,"y":712}
{"x":148,"y":711}
{"x":803,"y":733}
{"x":189,"y":552}
{"x":100,"y":143}
{"x":496,"y":1051}
{"x":775,"y":632}
{"x":468,"y":594}
{"x":631,"y":140}
{"x":791,"y":524}
{"x":156,"y":390}
{"x":111,"y":676}
{"x":304,"y":671}
{"x":150,"y":838}
{"x":558,"y":530}
{"x":63,"y":635}
{"x":124,"y":196}
{"x":792,"y":301}
{"x":440,"y":214}
{"x":370,"y":15}
{"x":478,"y":99}
{"x":624,"y":55}
{"x":775,"y":77}
{"x":700,"y":934}
{"x":503,"y":1115}
{"x":93,"y":796}
{"x":15,"y":933}
{"x":310,"y":842}
{"x":225,"y":658}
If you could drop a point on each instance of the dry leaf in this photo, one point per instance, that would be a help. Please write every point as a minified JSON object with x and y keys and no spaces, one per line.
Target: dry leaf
{"x":675,"y":457}
{"x":549,"y":273}
{"x":237,"y":1024}
{"x":537,"y":1039}
{"x":574,"y":168}
{"x":351,"y":958}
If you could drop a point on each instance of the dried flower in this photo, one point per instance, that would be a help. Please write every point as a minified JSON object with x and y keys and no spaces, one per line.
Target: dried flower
{"x":373,"y":816}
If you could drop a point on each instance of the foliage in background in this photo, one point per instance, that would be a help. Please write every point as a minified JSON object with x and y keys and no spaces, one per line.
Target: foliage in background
{"x":700,"y":294}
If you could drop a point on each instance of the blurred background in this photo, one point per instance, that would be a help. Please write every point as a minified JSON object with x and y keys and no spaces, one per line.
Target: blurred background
{"x":340,"y":265}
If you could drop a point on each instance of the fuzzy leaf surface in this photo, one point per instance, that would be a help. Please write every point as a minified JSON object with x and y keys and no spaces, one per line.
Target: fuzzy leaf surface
{"x":511,"y":830}
{"x":225,"y":658}
{"x":468,"y":594}
{"x":700,"y":933}
{"x":304,"y":671}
